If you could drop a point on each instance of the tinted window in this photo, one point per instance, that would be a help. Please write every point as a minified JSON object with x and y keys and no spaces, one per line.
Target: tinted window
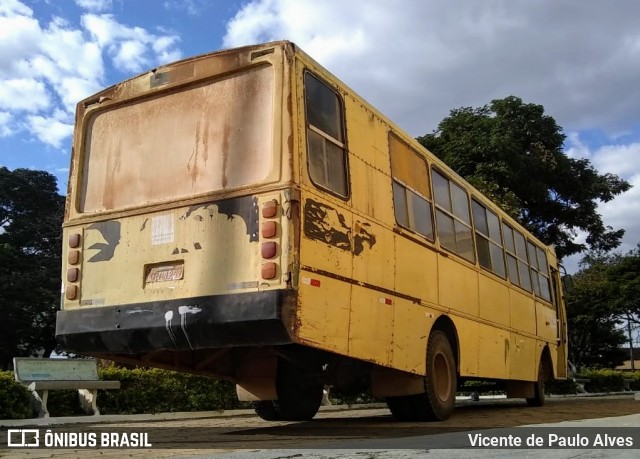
{"x":411,"y":191}
{"x":327,"y":159}
{"x":452,"y":217}
{"x":488,"y":240}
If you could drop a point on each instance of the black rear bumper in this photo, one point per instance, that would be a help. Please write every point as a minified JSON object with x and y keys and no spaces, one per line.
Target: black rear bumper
{"x":243,"y":319}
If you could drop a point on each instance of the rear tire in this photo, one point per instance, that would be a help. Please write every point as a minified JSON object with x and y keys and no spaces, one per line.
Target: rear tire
{"x":266,"y":410}
{"x":538,"y":398}
{"x":400,"y":408}
{"x":299,"y":392}
{"x":440,"y":383}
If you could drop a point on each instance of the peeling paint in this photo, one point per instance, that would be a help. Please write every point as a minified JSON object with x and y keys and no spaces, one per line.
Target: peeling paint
{"x":110,"y":232}
{"x":362,"y":236}
{"x":244,"y":207}
{"x":324,"y":223}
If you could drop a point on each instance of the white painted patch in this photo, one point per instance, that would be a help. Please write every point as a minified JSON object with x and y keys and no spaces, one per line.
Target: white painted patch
{"x":183,"y":311}
{"x":167,"y":323}
{"x":162,"y":229}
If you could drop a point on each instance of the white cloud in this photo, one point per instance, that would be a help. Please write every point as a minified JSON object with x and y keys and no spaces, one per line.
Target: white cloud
{"x":130,"y":56}
{"x":5,"y":128}
{"x":418,"y":60}
{"x":23,"y":94}
{"x":11,"y":7}
{"x":95,"y":6}
{"x":52,"y":130}
{"x":622,"y":160}
{"x":129,"y":46}
{"x":47,"y":67}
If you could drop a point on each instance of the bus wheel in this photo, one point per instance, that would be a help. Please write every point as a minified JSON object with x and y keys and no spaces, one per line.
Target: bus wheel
{"x":299,"y":392}
{"x":266,"y":410}
{"x":400,"y":408}
{"x":538,"y":397}
{"x":440,"y":383}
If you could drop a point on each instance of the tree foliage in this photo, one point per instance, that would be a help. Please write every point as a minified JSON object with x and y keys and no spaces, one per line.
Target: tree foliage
{"x":31,"y":212}
{"x":513,"y":153}
{"x":604,"y":297}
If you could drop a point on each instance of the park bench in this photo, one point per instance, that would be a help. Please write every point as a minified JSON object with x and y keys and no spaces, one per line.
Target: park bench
{"x":43,"y":375}
{"x":626,"y":384}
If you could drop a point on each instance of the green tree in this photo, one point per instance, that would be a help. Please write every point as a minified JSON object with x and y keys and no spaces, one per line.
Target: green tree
{"x":513,"y":152}
{"x":623,"y":293}
{"x":31,"y":212}
{"x":594,"y":337}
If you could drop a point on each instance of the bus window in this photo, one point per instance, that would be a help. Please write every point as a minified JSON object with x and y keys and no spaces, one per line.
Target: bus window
{"x":542,"y":273}
{"x":488,"y":240}
{"x":452,"y":217}
{"x":411,"y":192}
{"x":327,"y":157}
{"x":516,"y":248}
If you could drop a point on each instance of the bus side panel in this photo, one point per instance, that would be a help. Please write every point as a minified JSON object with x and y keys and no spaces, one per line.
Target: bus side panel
{"x":494,"y":348}
{"x":371,"y":326}
{"x":368,"y":140}
{"x":523,"y":313}
{"x":524,"y":364}
{"x":373,"y":248}
{"x":494,"y":301}
{"x":467,"y":330}
{"x":411,"y":325}
{"x":323,"y":312}
{"x":416,"y":273}
{"x":547,"y":322}
{"x":458,"y":285}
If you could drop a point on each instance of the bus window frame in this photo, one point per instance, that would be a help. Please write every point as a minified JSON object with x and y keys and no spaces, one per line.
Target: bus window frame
{"x":451,"y":215}
{"x":406,"y":189}
{"x":342,"y":145}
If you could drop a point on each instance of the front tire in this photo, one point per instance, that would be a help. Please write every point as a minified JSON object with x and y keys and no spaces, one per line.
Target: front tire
{"x":538,"y":398}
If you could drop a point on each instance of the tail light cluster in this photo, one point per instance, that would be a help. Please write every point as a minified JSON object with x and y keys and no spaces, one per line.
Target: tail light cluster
{"x":73,"y":272}
{"x":269,"y":233}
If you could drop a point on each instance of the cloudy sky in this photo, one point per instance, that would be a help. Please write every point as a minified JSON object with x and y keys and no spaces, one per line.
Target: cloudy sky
{"x":415,"y":60}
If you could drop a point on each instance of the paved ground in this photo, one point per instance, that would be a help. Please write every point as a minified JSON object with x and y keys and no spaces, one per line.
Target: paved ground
{"x":360,"y":433}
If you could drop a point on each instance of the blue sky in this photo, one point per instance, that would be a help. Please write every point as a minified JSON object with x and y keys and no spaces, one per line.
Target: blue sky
{"x":414,"y":60}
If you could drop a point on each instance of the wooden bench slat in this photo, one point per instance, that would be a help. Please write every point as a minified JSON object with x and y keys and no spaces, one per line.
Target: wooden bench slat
{"x":54,"y":385}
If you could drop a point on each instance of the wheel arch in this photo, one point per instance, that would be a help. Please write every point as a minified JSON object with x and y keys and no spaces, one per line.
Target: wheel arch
{"x":547,"y":363}
{"x":446,"y":325}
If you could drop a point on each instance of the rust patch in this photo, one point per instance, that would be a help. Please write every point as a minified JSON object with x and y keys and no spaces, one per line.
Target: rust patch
{"x":324,"y":223}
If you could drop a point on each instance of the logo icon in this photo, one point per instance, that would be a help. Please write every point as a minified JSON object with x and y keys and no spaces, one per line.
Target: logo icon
{"x":23,"y":438}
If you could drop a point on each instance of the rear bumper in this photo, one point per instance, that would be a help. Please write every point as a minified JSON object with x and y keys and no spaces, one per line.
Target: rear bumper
{"x":243,"y":319}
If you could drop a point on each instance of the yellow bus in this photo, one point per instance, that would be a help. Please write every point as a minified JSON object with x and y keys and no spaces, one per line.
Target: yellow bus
{"x":245,"y":215}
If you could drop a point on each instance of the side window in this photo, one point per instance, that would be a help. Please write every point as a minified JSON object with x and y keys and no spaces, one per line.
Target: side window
{"x":516,"y":248}
{"x":488,"y":240}
{"x":539,"y":271}
{"x":453,"y":216}
{"x":326,"y":152}
{"x":411,"y":191}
